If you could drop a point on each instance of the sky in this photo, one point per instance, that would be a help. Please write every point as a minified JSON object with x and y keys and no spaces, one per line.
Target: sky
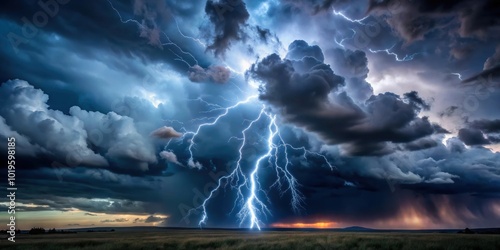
{"x":252,"y":114}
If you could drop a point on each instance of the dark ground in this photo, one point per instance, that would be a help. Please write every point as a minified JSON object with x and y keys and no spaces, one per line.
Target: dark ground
{"x":221,"y":239}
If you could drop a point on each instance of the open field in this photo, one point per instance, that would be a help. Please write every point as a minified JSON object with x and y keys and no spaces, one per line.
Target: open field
{"x":207,"y":239}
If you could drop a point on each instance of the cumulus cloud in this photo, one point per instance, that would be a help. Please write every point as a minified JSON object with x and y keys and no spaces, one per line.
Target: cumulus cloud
{"x":82,"y":137}
{"x":216,"y":74}
{"x":170,"y":157}
{"x":348,"y":63}
{"x":353,"y":65}
{"x":116,"y":135}
{"x":305,"y":92}
{"x":166,"y":133}
{"x":50,"y":132}
{"x":299,"y":49}
{"x":194,"y":164}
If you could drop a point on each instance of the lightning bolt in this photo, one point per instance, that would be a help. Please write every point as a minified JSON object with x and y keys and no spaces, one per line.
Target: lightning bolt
{"x":458,"y":75}
{"x":345,"y":38}
{"x":189,"y":37}
{"x":167,"y":43}
{"x":251,"y":197}
{"x":340,"y":14}
{"x":388,"y":52}
{"x":195,"y":133}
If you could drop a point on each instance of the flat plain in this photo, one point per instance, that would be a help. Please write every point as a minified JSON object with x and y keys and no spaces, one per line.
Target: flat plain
{"x":221,"y":239}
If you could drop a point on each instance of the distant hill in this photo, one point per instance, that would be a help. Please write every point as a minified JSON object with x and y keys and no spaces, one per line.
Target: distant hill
{"x":357,"y":229}
{"x":346,"y":229}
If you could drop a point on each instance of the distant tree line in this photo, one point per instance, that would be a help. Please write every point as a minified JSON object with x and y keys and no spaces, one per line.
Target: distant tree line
{"x":41,"y":230}
{"x":18,"y":231}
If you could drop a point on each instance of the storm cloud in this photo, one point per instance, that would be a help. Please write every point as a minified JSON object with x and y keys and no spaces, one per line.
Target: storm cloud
{"x":228,"y":17}
{"x":305,"y":93}
{"x":105,"y":98}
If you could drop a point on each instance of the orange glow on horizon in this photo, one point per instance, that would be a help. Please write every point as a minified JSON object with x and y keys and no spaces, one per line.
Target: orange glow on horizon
{"x":321,"y":224}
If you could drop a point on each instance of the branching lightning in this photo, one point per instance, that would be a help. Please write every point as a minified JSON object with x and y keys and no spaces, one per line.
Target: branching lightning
{"x":251,"y":200}
{"x":388,"y":52}
{"x":340,"y":14}
{"x":250,"y":196}
{"x":167,"y":43}
{"x":344,"y":39}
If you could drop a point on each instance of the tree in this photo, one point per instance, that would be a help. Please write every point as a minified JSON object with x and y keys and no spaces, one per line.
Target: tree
{"x":37,"y":230}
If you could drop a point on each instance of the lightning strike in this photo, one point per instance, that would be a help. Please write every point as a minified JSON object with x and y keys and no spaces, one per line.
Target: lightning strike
{"x":194,"y":134}
{"x":189,"y":37}
{"x":396,"y":56}
{"x":340,"y":14}
{"x":169,"y":42}
{"x":344,"y":39}
{"x":251,"y":198}
{"x":458,"y":75}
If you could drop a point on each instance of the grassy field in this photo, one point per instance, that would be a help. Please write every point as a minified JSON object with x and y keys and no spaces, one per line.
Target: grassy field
{"x":197,"y":239}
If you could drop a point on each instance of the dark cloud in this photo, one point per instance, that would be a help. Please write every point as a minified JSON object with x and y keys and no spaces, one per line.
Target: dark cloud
{"x":412,"y":20}
{"x":424,"y":143}
{"x":98,"y":82}
{"x":229,"y":18}
{"x":263,"y":33}
{"x":300,"y":90}
{"x":480,"y":132}
{"x":299,"y":49}
{"x":491,"y":70}
{"x":413,"y":98}
{"x":81,"y":24}
{"x":494,"y":60}
{"x":480,"y":18}
{"x":358,"y":89}
{"x":489,"y":76}
{"x":353,"y":65}
{"x":461,"y":51}
{"x":472,"y":137}
{"x":488,"y":126}
{"x":449,"y":111}
{"x":348,"y":63}
{"x":314,"y":6}
{"x":152,"y":219}
{"x":154,"y":14}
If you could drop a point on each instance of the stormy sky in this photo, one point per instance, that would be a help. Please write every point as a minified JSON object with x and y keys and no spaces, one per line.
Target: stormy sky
{"x":131,"y":112}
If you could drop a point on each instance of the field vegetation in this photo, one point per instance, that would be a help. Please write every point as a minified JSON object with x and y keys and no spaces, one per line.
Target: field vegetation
{"x":218,"y":239}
